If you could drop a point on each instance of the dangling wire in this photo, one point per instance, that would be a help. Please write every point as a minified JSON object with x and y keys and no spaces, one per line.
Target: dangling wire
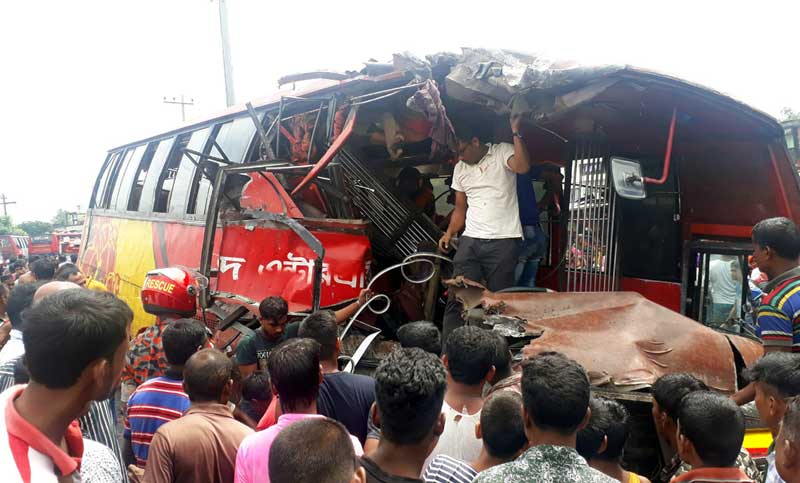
{"x":414,"y":258}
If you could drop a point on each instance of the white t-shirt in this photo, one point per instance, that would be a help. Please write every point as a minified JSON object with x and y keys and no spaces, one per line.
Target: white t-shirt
{"x":458,"y":439}
{"x":491,"y":189}
{"x":724,"y":289}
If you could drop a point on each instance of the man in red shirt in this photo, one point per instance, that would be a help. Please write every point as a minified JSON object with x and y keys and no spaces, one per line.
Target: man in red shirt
{"x":75,"y":342}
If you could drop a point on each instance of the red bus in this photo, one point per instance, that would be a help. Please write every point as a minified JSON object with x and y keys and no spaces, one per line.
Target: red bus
{"x":63,"y":243}
{"x":297,"y":195}
{"x":16,"y":245}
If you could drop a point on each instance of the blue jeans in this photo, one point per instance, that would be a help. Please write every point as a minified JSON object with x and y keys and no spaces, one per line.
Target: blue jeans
{"x":531,"y":251}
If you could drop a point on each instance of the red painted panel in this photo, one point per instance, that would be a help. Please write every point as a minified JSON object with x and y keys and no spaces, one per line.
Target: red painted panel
{"x":734,"y":231}
{"x":266,"y":261}
{"x":667,"y":294}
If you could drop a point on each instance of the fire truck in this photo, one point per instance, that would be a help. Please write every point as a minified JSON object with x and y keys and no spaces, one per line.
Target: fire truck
{"x":63,"y":243}
{"x":650,"y":180}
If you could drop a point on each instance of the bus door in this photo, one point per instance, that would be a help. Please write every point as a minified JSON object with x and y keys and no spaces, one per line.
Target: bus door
{"x":590,"y":253}
{"x":716,"y":288}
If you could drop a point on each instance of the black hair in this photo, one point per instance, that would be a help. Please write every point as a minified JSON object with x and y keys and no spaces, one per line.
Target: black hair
{"x":668,"y":390}
{"x":609,"y":421}
{"x":321,"y":327}
{"x":181,"y":339}
{"x":502,"y":426}
{"x":65,"y":271}
{"x":470,"y":352}
{"x":294,"y":371}
{"x":62,"y":259}
{"x":422,"y":334}
{"x":21,"y":374}
{"x":257,"y":386}
{"x":502,"y":355}
{"x":780,"y":371}
{"x":315,"y":449}
{"x":206,"y":374}
{"x":67,"y":331}
{"x":43,"y":269}
{"x":73,"y":257}
{"x":780,"y":234}
{"x":273,"y":308}
{"x":20,"y":299}
{"x":555,"y":391}
{"x":409,"y":391}
{"x":715,"y":426}
{"x":466,"y":129}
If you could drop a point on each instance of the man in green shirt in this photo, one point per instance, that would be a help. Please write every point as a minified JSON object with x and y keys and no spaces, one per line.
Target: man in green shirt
{"x":253,"y":350}
{"x":555,"y":392}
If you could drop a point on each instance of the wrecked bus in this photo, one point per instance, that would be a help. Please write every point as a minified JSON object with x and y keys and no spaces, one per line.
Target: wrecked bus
{"x":649,"y":181}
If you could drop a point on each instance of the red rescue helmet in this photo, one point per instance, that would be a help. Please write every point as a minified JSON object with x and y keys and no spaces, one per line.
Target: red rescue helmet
{"x":171,"y":290}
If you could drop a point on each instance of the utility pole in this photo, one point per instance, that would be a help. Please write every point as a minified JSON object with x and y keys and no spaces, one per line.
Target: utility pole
{"x":227,"y":65}
{"x":183,"y":102}
{"x":4,"y":201}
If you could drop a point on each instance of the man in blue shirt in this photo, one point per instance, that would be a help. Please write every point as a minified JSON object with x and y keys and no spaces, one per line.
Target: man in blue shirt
{"x":534,"y":243}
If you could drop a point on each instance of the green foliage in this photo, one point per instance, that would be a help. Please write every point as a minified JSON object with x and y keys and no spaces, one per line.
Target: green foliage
{"x":34,"y":228}
{"x":7,"y":227}
{"x":64,"y":218}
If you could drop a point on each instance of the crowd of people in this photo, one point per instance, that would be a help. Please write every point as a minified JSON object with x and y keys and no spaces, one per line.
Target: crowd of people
{"x":446,"y":406}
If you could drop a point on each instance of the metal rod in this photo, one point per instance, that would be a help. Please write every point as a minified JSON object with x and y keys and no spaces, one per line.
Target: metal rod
{"x":393,"y":89}
{"x":582,"y":228}
{"x":314,"y":132}
{"x":278,"y":132}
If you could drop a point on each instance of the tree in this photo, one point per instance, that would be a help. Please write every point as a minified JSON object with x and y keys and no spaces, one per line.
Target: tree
{"x":790,"y":114}
{"x":34,"y":228}
{"x":7,"y":227}
{"x":64,"y":218}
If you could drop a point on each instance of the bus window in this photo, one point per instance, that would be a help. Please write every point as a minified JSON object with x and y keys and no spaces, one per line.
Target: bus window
{"x":140,"y":176}
{"x":153,"y":177}
{"x":113,"y":179}
{"x":123,"y":189}
{"x":166,"y":181}
{"x":100,"y":189}
{"x":184,"y":179}
{"x":234,"y":138}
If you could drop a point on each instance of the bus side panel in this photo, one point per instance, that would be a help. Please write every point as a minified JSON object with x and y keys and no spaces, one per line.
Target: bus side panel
{"x":261,"y":260}
{"x":119,"y":253}
{"x":666,"y":294}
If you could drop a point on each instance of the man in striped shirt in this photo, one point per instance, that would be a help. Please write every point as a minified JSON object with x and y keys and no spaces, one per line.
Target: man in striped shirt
{"x":776,"y":248}
{"x":161,"y":399}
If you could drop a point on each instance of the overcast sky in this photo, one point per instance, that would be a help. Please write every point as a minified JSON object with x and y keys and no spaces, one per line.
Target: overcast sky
{"x":79,"y":77}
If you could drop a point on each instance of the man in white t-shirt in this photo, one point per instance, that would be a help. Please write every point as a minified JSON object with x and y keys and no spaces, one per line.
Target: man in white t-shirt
{"x":485,"y":186}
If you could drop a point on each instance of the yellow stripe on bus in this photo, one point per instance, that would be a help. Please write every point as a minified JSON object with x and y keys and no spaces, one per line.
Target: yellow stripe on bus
{"x":758,"y":439}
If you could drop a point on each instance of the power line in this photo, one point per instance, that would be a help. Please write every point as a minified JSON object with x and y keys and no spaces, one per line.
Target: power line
{"x":183,"y":103}
{"x":4,"y":201}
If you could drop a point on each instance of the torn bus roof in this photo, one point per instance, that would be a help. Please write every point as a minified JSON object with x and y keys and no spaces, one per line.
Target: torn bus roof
{"x":624,"y":341}
{"x":491,"y":79}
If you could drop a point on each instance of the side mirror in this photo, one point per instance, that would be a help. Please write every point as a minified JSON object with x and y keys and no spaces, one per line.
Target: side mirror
{"x":628,"y":180}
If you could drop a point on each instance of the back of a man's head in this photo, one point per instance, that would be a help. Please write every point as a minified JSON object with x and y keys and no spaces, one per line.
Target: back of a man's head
{"x":555,"y":391}
{"x":43,"y":269}
{"x":714,"y":425}
{"x":668,"y":390}
{"x":779,"y":371}
{"x":502,"y":355}
{"x":67,"y":331}
{"x":315,"y":450}
{"x":321,"y":327}
{"x":181,"y":339}
{"x":469,"y":352}
{"x":19,"y":300}
{"x":295,"y":372}
{"x":48,"y":288}
{"x":780,"y":234}
{"x":257,"y":386}
{"x":422,"y":334}
{"x":502,"y":426}
{"x":207,"y":376}
{"x":409,"y":391}
{"x":609,"y":425}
